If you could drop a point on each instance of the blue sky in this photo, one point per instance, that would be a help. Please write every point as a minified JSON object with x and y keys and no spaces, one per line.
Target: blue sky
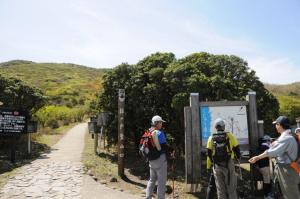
{"x":101,"y":34}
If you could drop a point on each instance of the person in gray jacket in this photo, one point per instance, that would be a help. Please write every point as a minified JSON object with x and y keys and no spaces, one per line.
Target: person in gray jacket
{"x":285,"y":149}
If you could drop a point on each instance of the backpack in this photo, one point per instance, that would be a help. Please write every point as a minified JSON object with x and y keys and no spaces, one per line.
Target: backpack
{"x":147,"y":147}
{"x":296,"y":163}
{"x":221,"y":148}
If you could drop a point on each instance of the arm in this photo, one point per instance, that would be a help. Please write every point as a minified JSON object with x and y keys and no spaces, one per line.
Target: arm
{"x":235,"y":146}
{"x":274,"y":151}
{"x":155,"y":140}
{"x":209,"y":154}
{"x":259,"y":157}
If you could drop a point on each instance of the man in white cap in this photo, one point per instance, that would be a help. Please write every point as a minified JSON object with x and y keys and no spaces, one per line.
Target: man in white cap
{"x":222,"y":148}
{"x":158,"y":167}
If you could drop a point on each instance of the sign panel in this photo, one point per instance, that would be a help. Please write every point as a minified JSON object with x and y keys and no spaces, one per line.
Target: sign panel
{"x":235,"y":118}
{"x":12,"y":122}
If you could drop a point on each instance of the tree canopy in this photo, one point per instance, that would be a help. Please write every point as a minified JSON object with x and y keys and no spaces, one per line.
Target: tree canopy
{"x":16,"y":94}
{"x":161,"y":84}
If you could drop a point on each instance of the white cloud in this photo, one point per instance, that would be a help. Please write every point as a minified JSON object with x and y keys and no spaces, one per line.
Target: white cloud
{"x":275,"y":70}
{"x":107,"y":33}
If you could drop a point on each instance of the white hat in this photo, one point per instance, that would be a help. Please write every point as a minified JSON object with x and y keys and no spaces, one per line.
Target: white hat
{"x":157,"y":118}
{"x":297,"y":130}
{"x":219,"y":122}
{"x":267,"y":138}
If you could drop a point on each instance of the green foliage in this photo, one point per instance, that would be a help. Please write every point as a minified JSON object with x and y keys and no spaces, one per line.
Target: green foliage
{"x":290,"y":106}
{"x":64,"y":84}
{"x":160,"y":84}
{"x":283,"y":90}
{"x":55,"y":116}
{"x":16,"y":94}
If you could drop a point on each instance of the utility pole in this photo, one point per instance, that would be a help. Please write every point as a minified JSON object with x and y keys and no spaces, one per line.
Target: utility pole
{"x":121,"y":137}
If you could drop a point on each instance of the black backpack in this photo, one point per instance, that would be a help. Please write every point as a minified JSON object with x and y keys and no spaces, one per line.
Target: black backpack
{"x":221,"y":148}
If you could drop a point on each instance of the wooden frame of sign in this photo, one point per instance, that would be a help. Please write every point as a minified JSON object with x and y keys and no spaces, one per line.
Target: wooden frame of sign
{"x":193,"y":141}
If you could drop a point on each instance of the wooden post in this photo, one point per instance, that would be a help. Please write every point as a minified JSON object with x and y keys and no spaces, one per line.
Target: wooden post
{"x":253,"y":131}
{"x":13,"y":149}
{"x":29,"y":143}
{"x":121,"y":137}
{"x":96,"y":142}
{"x":196,"y":143}
{"x":188,"y":146}
{"x":261,"y":132}
{"x":253,"y":127}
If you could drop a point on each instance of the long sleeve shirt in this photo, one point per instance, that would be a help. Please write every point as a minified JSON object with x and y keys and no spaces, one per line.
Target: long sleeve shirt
{"x":285,"y":149}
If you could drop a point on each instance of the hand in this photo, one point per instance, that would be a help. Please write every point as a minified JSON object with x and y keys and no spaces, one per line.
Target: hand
{"x":253,"y":159}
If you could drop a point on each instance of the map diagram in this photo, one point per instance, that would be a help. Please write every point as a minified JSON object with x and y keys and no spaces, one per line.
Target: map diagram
{"x":235,"y":118}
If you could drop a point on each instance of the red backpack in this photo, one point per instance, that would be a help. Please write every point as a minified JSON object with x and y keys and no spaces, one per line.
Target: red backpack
{"x":147,"y":147}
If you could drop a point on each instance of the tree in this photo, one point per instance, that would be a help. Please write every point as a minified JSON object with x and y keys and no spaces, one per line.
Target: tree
{"x":16,"y":94}
{"x":160,"y":84}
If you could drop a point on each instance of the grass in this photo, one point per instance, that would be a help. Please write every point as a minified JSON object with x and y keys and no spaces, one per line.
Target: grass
{"x":41,"y":142}
{"x":62,"y":83}
{"x":104,"y":167}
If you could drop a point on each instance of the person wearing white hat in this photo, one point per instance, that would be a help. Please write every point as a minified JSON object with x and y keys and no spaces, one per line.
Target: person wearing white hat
{"x":264,"y":166}
{"x":222,"y":148}
{"x":158,"y":167}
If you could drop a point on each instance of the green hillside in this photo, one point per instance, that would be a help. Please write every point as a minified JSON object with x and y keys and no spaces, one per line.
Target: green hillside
{"x":286,"y":89}
{"x":288,"y":96}
{"x":64,"y":84}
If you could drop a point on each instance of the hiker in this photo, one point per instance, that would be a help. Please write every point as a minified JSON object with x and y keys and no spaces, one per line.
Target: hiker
{"x":285,"y":149}
{"x":264,"y":165}
{"x":222,"y":148}
{"x":158,"y":167}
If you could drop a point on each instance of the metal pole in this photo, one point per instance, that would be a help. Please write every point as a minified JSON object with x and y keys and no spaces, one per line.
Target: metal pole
{"x":121,"y":137}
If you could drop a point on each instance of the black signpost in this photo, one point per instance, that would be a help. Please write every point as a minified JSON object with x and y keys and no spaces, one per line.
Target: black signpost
{"x":13,"y":123}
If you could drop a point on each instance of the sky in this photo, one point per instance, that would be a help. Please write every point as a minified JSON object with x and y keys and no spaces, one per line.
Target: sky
{"x":104,"y":34}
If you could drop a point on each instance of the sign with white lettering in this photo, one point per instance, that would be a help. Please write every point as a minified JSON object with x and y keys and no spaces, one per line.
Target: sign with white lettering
{"x":12,"y":122}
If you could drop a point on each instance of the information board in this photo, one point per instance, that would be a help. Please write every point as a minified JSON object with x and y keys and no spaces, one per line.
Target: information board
{"x":235,"y":118}
{"x":12,"y":122}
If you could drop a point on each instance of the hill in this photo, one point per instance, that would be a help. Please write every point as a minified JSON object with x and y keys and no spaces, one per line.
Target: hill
{"x":63,"y":83}
{"x":286,"y":89}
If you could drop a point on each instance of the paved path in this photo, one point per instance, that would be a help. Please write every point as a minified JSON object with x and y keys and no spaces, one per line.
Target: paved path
{"x":59,"y":174}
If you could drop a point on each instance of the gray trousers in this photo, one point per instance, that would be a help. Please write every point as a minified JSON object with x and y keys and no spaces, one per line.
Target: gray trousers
{"x":158,"y":172}
{"x":226,"y":181}
{"x":288,"y":180}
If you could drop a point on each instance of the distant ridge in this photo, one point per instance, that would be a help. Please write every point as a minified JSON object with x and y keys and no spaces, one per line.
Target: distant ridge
{"x":64,"y":83}
{"x":292,"y":89}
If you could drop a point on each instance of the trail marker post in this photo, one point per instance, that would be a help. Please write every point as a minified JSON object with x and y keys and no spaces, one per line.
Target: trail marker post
{"x":121,"y":136}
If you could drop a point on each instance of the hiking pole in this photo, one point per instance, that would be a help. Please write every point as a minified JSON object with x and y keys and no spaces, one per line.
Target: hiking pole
{"x":173,"y":176}
{"x":240,"y":170}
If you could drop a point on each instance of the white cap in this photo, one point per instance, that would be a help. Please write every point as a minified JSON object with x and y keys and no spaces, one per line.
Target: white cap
{"x":297,"y":130}
{"x":219,"y":122}
{"x":157,"y":118}
{"x":267,"y":138}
